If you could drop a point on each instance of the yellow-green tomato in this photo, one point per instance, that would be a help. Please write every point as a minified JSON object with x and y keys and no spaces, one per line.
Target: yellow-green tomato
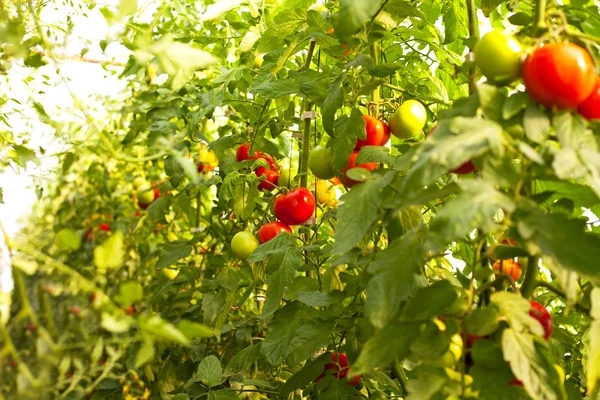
{"x":286,"y":176}
{"x":408,"y":120}
{"x":170,"y":273}
{"x":243,"y":244}
{"x":320,"y":162}
{"x":139,"y":181}
{"x":498,"y":56}
{"x":145,"y":194}
{"x":68,"y":239}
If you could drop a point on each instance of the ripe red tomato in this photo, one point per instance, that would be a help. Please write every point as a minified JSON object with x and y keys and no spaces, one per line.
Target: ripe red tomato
{"x":340,"y":369}
{"x":540,"y":313}
{"x":104,"y":227}
{"x":590,"y":108}
{"x":204,"y":167}
{"x":352,"y":164}
{"x":295,"y":207}
{"x":258,"y":154}
{"x":272,"y":229}
{"x":156,"y":193}
{"x":464,"y":169}
{"x":242,"y":152}
{"x":270,"y":178}
{"x":559,"y":74}
{"x":508,"y":267}
{"x":378,"y":133}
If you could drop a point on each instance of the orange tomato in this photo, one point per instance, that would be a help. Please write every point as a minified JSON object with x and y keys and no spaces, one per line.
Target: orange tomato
{"x":508,"y":267}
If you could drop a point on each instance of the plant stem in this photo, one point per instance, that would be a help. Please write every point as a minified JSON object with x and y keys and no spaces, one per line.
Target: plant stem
{"x":376,"y":97}
{"x":540,"y":16}
{"x":579,"y":307}
{"x":401,"y":377}
{"x":303,"y":170}
{"x":530,"y":276}
{"x":472,"y":14}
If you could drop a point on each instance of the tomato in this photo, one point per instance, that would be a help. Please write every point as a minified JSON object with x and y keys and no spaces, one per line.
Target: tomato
{"x":540,"y":313}
{"x":295,"y":207}
{"x":320,"y":162}
{"x":509,"y":242}
{"x":590,"y":108}
{"x":498,"y":56}
{"x":243,"y":244}
{"x":408,"y":120}
{"x":139,"y":181}
{"x":242,"y":152}
{"x":473,"y":338}
{"x":286,"y":176}
{"x":269,"y":180}
{"x":378,"y":133}
{"x":325,"y":192}
{"x":272,"y":229}
{"x":170,"y":273}
{"x":508,"y":267}
{"x":464,"y":169}
{"x":260,"y":155}
{"x":559,"y":75}
{"x":340,"y":369}
{"x":104,"y":227}
{"x":352,"y":164}
{"x":145,"y":194}
{"x":204,"y":167}
{"x":156,"y":193}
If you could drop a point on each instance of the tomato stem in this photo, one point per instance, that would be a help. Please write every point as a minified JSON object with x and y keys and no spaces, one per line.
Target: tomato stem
{"x":530,"y":277}
{"x":540,"y":16}
{"x":376,"y":98}
{"x":303,"y":170}
{"x":472,"y":13}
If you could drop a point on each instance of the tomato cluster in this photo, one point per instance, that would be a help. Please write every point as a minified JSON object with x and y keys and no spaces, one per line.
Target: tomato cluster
{"x":269,"y":175}
{"x":508,"y":267}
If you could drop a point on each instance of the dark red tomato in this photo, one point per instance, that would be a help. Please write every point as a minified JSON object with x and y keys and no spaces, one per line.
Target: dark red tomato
{"x":590,"y":108}
{"x":352,"y":164}
{"x":540,"y":313}
{"x":272,"y":229}
{"x":340,"y":369}
{"x":242,"y":152}
{"x":473,"y":338}
{"x":466,"y":168}
{"x":156,"y":193}
{"x":515,"y":382}
{"x":295,"y":207}
{"x":270,"y":178}
{"x":258,"y":154}
{"x":559,"y":74}
{"x":104,"y":227}
{"x":143,"y":206}
{"x":378,"y":133}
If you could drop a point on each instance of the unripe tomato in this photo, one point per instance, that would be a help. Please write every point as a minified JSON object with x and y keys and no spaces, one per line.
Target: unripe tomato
{"x":243,"y":244}
{"x":408,"y":120}
{"x":242,"y":152}
{"x":508,"y":267}
{"x":269,"y":180}
{"x":295,"y":207}
{"x":352,"y":164}
{"x":378,"y":133}
{"x":590,"y":108}
{"x":145,"y":194}
{"x":325,"y":192}
{"x":272,"y":229}
{"x":138,"y":181}
{"x":498,"y":56}
{"x":540,"y":313}
{"x":559,"y":75}
{"x":320,"y":162}
{"x":170,"y":273}
{"x":286,"y":176}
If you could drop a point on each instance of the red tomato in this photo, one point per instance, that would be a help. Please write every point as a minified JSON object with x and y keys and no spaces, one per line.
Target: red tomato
{"x":204,"y":167}
{"x":270,"y":178}
{"x":509,"y":242}
{"x":340,"y":369}
{"x":89,"y":235}
{"x":378,"y":133}
{"x":508,"y":267}
{"x":473,"y":338}
{"x":258,"y":154}
{"x":540,"y":313}
{"x":156,"y":193}
{"x":352,"y":164}
{"x":590,"y":108}
{"x":272,"y":229}
{"x":295,"y":207}
{"x":242,"y":152}
{"x":104,"y":227}
{"x":559,"y":74}
{"x":464,"y":169}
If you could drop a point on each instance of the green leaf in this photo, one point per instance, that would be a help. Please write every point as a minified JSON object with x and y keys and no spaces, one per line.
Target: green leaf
{"x":536,"y":123}
{"x":246,"y":193}
{"x":593,"y":356}
{"x":488,"y":6}
{"x":354,"y":15}
{"x":514,"y":104}
{"x":493,"y":384}
{"x":483,"y":321}
{"x":158,"y":327}
{"x":315,"y":299}
{"x":223,"y":394}
{"x":396,"y":274}
{"x":306,"y":375}
{"x":347,"y":130}
{"x":333,"y":101}
{"x":210,"y":372}
{"x":570,"y":130}
{"x":127,"y":7}
{"x":194,"y":330}
{"x":378,"y":154}
{"x":218,"y":9}
{"x":275,"y":89}
{"x":475,"y":208}
{"x":488,"y":354}
{"x":532,"y":364}
{"x":283,"y":329}
{"x":308,"y":338}
{"x":173,"y":253}
{"x":110,"y":254}
{"x":129,"y":292}
{"x":243,"y":360}
{"x":389,"y":344}
{"x":280,"y":243}
{"x":359,"y":213}
{"x":429,"y":302}
{"x":401,"y":9}
{"x":455,"y":21}
{"x":67,"y":162}
{"x":281,"y":268}
{"x":180,"y":396}
{"x":515,"y":310}
{"x":113,"y":324}
{"x":145,"y":353}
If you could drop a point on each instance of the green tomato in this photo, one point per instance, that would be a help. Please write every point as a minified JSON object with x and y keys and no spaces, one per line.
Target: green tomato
{"x":320,"y":162}
{"x":139,"y":181}
{"x":286,"y":176}
{"x":408,"y":120}
{"x":317,"y":7}
{"x":243,"y":244}
{"x":68,"y":239}
{"x":145,"y":194}
{"x":498,"y":56}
